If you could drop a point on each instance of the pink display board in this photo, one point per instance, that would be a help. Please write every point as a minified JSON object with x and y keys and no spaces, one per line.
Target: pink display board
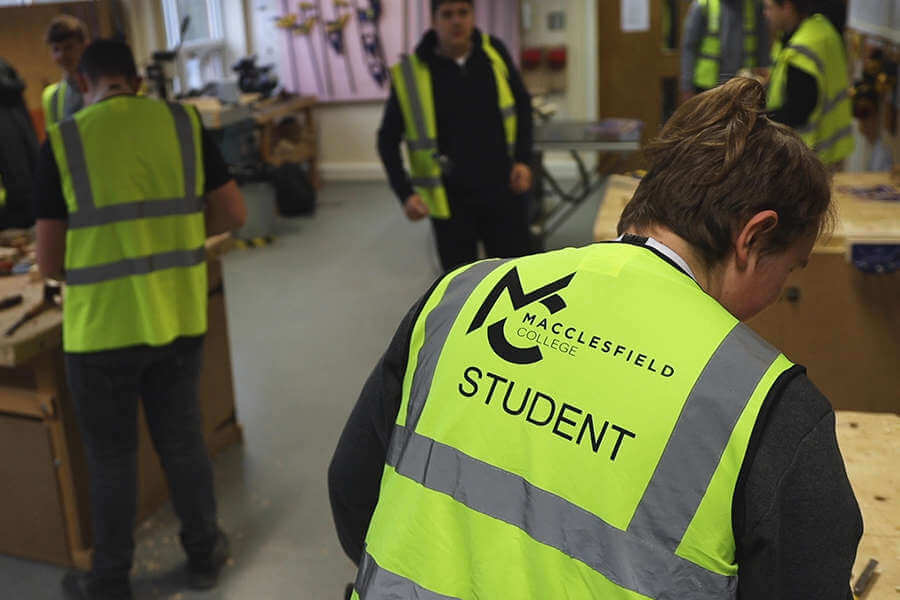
{"x":341,"y":50}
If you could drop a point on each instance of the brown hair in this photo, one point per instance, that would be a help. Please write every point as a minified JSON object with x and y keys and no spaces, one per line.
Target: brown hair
{"x":717,"y":162}
{"x":63,"y":27}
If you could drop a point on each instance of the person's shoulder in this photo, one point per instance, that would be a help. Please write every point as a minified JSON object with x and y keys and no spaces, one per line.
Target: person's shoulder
{"x":794,"y":408}
{"x":798,"y":400}
{"x":48,"y":90}
{"x":498,"y":45}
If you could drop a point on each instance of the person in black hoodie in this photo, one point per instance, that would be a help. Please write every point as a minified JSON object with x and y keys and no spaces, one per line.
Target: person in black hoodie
{"x":479,"y":145}
{"x":18,"y":152}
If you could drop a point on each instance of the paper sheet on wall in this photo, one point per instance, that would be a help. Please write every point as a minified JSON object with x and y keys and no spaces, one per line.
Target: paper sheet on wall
{"x":635,"y":15}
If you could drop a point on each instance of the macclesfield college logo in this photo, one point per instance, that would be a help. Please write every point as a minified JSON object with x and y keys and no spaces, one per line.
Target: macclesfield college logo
{"x":546,"y":295}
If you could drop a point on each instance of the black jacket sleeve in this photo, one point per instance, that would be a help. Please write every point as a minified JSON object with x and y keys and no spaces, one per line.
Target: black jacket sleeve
{"x":215,"y":170}
{"x":354,"y":475}
{"x":390,"y":134}
{"x":49,"y":202}
{"x":800,"y":99}
{"x":524,"y":113}
{"x":796,"y":520}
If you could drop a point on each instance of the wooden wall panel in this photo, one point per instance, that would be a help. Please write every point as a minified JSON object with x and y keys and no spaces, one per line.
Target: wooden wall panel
{"x":22,"y":39}
{"x":632,"y":66}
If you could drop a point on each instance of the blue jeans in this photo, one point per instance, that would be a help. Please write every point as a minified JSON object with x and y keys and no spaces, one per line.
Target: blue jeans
{"x":106,"y":387}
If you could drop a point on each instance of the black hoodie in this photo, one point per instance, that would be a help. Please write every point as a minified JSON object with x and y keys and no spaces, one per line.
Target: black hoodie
{"x":18,"y":152}
{"x":470,"y":129}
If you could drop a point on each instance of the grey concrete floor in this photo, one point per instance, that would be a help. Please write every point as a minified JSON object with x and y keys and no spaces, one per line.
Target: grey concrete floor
{"x":308,"y":316}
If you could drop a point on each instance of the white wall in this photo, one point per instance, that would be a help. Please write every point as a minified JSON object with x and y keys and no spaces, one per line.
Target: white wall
{"x":146,"y":28}
{"x":579,"y":36}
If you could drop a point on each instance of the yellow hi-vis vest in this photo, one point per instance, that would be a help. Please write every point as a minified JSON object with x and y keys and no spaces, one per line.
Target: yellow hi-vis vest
{"x":817,"y":48}
{"x":2,"y":194}
{"x":706,"y":68}
{"x":412,"y":82}
{"x":53,"y":100}
{"x":572,"y":425}
{"x":132,"y":176}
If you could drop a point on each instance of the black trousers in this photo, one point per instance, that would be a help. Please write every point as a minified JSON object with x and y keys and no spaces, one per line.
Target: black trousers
{"x":106,"y":387}
{"x":498,"y":219}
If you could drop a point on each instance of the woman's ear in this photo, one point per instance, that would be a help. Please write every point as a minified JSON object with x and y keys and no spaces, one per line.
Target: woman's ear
{"x":748,"y":241}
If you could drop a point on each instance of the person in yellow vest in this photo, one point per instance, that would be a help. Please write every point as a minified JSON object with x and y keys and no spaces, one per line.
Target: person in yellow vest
{"x":129,"y":190}
{"x":599,"y":422}
{"x":721,"y":37}
{"x":66,"y":37}
{"x":809,"y":87}
{"x":460,"y":104}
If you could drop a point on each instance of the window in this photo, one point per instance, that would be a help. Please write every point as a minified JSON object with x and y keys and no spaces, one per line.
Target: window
{"x":202,"y":55}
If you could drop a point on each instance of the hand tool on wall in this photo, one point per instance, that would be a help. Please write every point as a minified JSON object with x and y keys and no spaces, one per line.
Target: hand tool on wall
{"x":335,"y":30}
{"x":420,"y":18}
{"x":371,"y":39}
{"x":289,"y":22}
{"x":304,"y":26}
{"x":326,"y":64}
{"x":405,"y":47}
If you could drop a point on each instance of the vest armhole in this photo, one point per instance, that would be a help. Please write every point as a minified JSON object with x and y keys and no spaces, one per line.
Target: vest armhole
{"x":773,"y":397}
{"x":423,"y":300}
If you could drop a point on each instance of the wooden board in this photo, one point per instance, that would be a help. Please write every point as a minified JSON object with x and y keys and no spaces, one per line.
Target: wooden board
{"x":862,"y":220}
{"x":870,"y":444}
{"x":858,"y":220}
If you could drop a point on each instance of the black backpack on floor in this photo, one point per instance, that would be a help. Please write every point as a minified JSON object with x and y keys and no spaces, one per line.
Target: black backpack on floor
{"x":294,"y":193}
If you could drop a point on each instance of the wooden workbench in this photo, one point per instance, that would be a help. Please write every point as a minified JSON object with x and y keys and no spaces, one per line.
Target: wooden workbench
{"x":870,"y":444}
{"x":44,"y":512}
{"x":841,"y":323}
{"x":267,"y":115}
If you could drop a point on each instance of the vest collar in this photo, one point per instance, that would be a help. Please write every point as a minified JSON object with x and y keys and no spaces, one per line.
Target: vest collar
{"x":660,"y":248}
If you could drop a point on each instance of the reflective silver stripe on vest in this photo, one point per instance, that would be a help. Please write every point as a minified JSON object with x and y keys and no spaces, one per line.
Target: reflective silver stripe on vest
{"x":426,"y":144}
{"x":709,"y":57}
{"x":834,"y":102}
{"x":373,"y":581}
{"x":426,"y":182}
{"x":808,"y":128}
{"x":415,"y":101}
{"x":78,"y":170}
{"x":144,"y":209}
{"x":834,"y":139}
{"x":89,"y":215}
{"x":829,"y":106}
{"x":136,"y":266}
{"x":620,"y":556}
{"x":811,"y":55}
{"x":185,"y":132}
{"x":437,"y":325}
{"x":701,"y":434}
{"x":508,"y":111}
{"x":54,"y":104}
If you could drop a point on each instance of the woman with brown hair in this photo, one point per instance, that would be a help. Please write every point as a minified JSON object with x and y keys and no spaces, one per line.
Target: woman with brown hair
{"x":598,"y":422}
